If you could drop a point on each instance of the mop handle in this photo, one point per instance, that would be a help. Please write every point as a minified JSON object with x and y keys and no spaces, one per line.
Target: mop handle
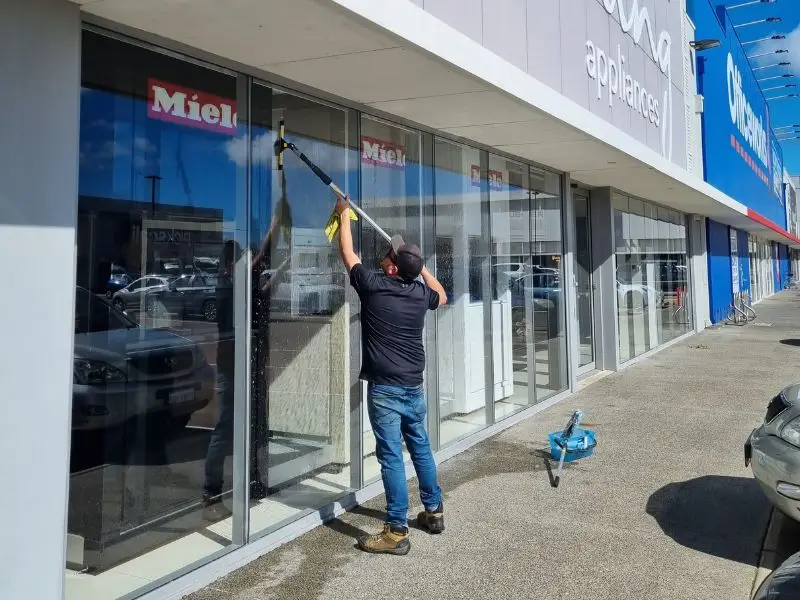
{"x":329,"y":182}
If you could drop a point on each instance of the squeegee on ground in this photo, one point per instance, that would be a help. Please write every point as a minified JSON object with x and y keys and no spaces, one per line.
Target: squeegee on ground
{"x":281,"y":145}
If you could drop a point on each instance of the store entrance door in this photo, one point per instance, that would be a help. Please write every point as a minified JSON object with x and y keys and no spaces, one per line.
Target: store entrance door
{"x":584,"y":291}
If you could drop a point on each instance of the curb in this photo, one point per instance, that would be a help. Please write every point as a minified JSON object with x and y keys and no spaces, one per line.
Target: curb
{"x":768,"y":560}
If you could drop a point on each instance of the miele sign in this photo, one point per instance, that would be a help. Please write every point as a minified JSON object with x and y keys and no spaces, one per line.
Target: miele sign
{"x":184,"y":106}
{"x":382,"y":153}
{"x":610,"y":73}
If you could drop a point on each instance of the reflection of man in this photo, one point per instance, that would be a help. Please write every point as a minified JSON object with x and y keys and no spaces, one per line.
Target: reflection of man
{"x":393,"y":309}
{"x":220,"y":445}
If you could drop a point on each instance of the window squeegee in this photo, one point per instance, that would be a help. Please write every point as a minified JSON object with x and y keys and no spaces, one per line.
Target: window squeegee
{"x":281,"y":145}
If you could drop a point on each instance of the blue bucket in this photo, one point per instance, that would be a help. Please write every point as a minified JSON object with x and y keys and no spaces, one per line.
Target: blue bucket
{"x":579,"y":445}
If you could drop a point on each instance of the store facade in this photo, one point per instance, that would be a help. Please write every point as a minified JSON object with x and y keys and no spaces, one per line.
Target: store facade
{"x":743,"y":158}
{"x":206,"y":369}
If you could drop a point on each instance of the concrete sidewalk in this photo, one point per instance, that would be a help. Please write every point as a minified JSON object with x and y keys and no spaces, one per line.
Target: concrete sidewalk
{"x":665,"y":510}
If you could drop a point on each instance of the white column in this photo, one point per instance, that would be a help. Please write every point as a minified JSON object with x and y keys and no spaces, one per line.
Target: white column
{"x":40,"y":71}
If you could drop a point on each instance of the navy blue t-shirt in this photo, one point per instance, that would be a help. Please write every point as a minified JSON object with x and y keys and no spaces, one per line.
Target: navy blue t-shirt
{"x":392,"y":318}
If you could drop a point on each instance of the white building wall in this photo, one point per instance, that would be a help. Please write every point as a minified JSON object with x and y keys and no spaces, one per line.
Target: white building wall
{"x":40,"y":70}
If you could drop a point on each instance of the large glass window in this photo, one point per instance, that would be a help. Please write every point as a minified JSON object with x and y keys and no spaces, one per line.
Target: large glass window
{"x":155,"y":359}
{"x":394,"y":189}
{"x":215,"y":389}
{"x":300,"y":399}
{"x":529,"y":350}
{"x":513,"y":285}
{"x":547,"y":264}
{"x":461,"y":261}
{"x":653,"y":295}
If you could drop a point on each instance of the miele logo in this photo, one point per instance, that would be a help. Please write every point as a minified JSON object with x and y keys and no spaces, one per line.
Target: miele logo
{"x":184,"y":106}
{"x":609,"y":70}
{"x":382,"y":153}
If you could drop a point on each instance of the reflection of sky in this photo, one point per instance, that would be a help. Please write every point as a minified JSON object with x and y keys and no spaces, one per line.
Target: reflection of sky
{"x":121,"y":146}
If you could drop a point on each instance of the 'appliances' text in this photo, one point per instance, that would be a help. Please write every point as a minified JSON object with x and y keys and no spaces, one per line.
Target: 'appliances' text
{"x":609,"y":72}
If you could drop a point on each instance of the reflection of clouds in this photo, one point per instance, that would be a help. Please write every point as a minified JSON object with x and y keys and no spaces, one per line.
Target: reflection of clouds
{"x":263,"y":150}
{"x":791,"y":43}
{"x":144,"y":145}
{"x":98,"y":153}
{"x":102,"y":124}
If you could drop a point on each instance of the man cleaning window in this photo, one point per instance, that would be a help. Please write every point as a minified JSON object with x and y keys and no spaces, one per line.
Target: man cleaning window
{"x":393,"y":308}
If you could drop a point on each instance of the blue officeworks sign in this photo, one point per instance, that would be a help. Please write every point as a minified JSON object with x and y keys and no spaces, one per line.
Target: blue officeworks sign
{"x":742,"y":157}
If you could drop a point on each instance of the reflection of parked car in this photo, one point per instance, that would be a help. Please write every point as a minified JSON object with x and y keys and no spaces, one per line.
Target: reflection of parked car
{"x":117,"y":280}
{"x":637,"y":295}
{"x":122,"y":370}
{"x":134,"y":296}
{"x":188,"y":295}
{"x":773,"y":452}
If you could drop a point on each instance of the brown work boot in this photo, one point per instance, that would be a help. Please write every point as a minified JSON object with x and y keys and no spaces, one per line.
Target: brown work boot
{"x":392,"y":540}
{"x":433,"y":520}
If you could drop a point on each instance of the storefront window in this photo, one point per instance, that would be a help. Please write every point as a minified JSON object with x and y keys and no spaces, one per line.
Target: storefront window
{"x":653,"y":296}
{"x":394,"y":188}
{"x":460,"y":181}
{"x":155,"y":359}
{"x":300,"y":434}
{"x":515,"y":286}
{"x":547,"y":259}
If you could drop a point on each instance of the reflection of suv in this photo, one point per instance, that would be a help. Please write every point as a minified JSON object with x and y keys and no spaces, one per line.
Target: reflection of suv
{"x":135,"y":295}
{"x":188,"y":295}
{"x":122,"y":370}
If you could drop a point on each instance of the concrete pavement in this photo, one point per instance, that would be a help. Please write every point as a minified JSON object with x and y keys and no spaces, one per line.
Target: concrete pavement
{"x":665,"y":510}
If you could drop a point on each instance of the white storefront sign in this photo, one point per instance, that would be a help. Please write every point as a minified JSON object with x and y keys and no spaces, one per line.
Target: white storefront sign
{"x":749,"y":124}
{"x":612,"y":78}
{"x":734,"y":261}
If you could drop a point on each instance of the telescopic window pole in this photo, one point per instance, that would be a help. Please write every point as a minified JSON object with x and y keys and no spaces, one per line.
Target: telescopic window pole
{"x":281,"y":145}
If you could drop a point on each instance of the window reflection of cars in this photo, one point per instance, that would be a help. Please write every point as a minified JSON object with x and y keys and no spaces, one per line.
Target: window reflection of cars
{"x":187,"y":296}
{"x":299,"y":292}
{"x":135,"y":295}
{"x":122,"y":370}
{"x":118,"y":280}
{"x":536,"y":295}
{"x":638,"y":295}
{"x":539,"y":286}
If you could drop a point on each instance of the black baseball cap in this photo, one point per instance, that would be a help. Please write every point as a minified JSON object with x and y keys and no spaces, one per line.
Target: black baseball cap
{"x":407,"y":257}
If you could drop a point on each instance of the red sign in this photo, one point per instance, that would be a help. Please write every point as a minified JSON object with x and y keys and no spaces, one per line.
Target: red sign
{"x":176,"y":104}
{"x":495,"y":178}
{"x":475,"y":175}
{"x":382,"y":153}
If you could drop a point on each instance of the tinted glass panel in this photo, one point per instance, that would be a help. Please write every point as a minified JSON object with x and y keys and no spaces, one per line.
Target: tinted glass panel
{"x":152,"y":387}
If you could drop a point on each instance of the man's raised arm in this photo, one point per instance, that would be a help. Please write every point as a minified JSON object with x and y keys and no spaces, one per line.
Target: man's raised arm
{"x":434,"y":284}
{"x":348,"y":255}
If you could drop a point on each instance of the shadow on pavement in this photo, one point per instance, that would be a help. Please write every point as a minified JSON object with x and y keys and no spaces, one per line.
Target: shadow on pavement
{"x":717,"y":515}
{"x":791,"y":342}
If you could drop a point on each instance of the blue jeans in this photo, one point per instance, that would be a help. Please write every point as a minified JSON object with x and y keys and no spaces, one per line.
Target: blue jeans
{"x":398,"y":413}
{"x":220,"y":445}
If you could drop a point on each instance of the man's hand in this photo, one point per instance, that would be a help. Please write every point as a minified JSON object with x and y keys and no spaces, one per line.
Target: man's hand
{"x":342,"y":205}
{"x":349,"y":257}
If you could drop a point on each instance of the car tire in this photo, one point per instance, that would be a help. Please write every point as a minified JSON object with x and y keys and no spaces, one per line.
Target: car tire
{"x":210,"y":310}
{"x":152,"y":306}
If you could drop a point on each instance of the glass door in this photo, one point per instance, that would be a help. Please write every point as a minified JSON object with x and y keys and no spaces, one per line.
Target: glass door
{"x":583,"y":284}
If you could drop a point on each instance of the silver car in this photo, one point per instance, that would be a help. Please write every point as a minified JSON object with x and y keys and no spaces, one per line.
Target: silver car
{"x":122,"y":370}
{"x":773,"y":452}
